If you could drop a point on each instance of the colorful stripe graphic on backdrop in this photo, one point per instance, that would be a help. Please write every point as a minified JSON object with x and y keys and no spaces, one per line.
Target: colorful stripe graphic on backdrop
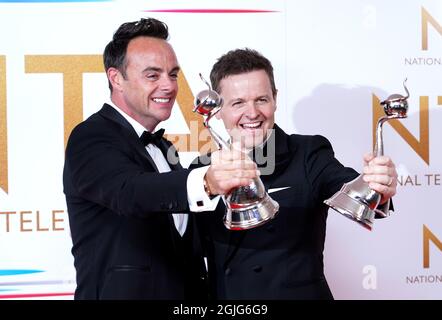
{"x":14,"y":272}
{"x":210,"y":11}
{"x":6,"y":288}
{"x":50,"y":1}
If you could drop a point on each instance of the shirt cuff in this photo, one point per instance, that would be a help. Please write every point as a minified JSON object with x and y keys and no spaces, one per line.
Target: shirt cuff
{"x":196,"y":195}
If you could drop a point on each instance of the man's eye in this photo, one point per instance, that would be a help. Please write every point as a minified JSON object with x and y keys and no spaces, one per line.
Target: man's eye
{"x":152,"y":76}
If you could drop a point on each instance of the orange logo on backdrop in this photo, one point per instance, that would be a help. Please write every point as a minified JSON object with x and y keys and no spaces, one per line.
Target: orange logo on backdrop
{"x":72,"y":67}
{"x":421,"y":145}
{"x":426,"y":20}
{"x":427,"y":237}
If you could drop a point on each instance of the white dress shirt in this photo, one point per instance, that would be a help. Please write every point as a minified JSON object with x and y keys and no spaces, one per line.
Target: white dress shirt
{"x":196,"y":196}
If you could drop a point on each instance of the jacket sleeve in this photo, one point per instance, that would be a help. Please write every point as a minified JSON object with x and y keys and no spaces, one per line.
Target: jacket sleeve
{"x":104,"y":169}
{"x":325,"y":173}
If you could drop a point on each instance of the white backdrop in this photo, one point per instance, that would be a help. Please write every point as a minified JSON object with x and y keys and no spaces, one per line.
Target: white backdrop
{"x":332,"y":60}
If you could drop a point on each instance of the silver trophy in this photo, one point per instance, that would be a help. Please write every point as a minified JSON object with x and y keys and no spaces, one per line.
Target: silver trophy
{"x":247,"y":206}
{"x":356,"y":200}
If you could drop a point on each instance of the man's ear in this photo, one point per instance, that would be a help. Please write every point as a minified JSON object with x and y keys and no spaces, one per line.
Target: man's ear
{"x":115,"y":77}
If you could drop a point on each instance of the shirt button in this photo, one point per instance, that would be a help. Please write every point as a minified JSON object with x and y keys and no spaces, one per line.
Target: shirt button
{"x":228,"y":271}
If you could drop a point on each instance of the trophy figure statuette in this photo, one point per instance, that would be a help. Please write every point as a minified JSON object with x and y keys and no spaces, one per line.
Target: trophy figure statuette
{"x":356,"y":200}
{"x":246,"y":206}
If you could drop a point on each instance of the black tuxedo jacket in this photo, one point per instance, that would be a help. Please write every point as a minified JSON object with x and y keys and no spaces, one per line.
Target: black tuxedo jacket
{"x":125,"y":244}
{"x":282,"y":259}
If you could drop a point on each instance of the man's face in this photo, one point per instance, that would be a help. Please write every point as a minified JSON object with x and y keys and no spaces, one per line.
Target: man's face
{"x":249,"y":106}
{"x":148,"y":91}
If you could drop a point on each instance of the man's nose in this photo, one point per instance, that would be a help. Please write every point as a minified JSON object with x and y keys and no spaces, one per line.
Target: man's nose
{"x":167,"y":84}
{"x":252,"y":110}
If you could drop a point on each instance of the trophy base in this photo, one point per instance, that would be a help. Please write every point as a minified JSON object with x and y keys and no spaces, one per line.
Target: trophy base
{"x":248,"y":217}
{"x":352,"y":209}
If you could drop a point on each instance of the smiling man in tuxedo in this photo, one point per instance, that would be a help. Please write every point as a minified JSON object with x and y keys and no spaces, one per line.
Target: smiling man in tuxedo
{"x":282,"y":259}
{"x":127,"y":195}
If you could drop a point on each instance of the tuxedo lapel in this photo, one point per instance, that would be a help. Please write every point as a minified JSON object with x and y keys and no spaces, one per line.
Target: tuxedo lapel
{"x":172,"y":159}
{"x":170,"y":153}
{"x":235,"y":240}
{"x":128,"y":132}
{"x":166,"y":147}
{"x":282,"y":156}
{"x":143,"y":153}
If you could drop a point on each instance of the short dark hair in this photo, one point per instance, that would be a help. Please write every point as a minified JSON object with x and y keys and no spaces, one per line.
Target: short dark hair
{"x":114,"y":55}
{"x":240,"y":61}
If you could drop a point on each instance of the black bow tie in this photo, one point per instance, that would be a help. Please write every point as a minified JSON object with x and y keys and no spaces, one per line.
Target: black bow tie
{"x":149,"y":137}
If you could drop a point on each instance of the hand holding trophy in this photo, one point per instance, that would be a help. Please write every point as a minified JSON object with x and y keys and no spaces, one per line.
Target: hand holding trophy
{"x":356,"y":200}
{"x":248,"y":206}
